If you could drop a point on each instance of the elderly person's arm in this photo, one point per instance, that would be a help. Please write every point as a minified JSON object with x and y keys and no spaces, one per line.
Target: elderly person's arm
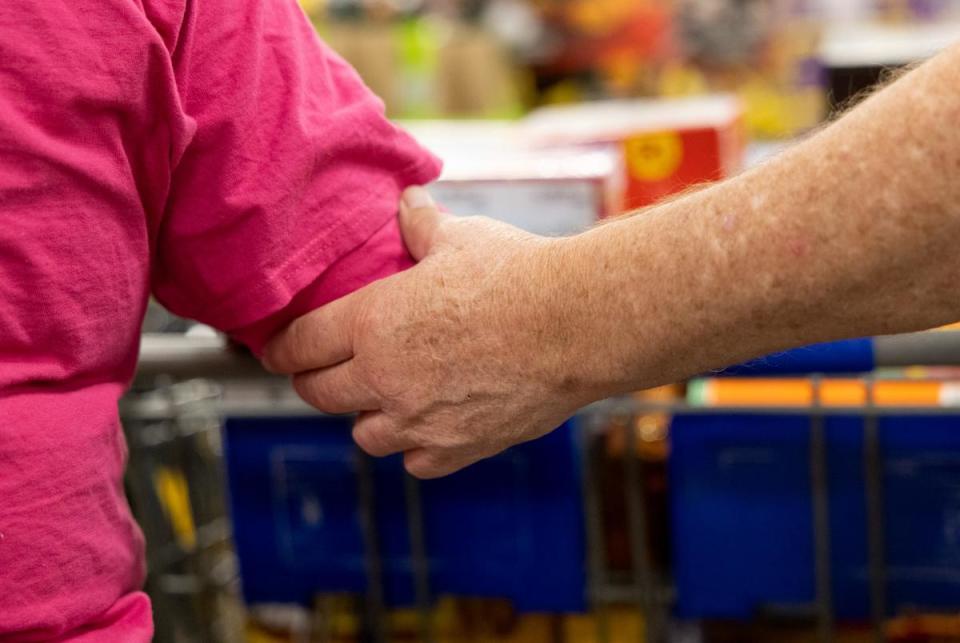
{"x":497,"y":335}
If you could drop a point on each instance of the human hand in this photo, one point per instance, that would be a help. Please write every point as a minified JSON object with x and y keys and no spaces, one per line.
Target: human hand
{"x":452,"y":361}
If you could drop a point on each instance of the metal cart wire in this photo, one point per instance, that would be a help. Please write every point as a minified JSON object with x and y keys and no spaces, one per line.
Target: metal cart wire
{"x":175,"y":486}
{"x":171,"y":418}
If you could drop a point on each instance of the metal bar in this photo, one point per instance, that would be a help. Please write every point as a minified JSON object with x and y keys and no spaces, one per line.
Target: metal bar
{"x":624,"y":592}
{"x":185,"y":357}
{"x":930,"y":348}
{"x":596,"y":553}
{"x":373,"y":562}
{"x":876,"y":545}
{"x":857,"y":410}
{"x":420,"y":564}
{"x":637,"y":522}
{"x":297,"y":408}
{"x":321,"y":623}
{"x":181,"y":357}
{"x":821,"y":520}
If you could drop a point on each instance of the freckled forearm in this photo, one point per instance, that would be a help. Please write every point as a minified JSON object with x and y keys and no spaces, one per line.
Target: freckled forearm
{"x":853,"y":232}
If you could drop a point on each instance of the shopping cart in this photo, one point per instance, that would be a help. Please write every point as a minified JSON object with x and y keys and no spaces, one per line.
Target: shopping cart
{"x":175,"y":485}
{"x":403,"y":560}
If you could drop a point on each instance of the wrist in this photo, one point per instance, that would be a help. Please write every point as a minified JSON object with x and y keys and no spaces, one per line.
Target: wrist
{"x":637,"y":312}
{"x":579,"y":365}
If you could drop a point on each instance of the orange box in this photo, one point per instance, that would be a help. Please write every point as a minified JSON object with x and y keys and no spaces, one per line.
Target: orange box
{"x":666,"y":146}
{"x":799,"y":392}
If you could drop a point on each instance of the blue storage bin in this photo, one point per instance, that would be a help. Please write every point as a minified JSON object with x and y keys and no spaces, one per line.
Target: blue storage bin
{"x":742,"y":514}
{"x":509,"y":527}
{"x":844,"y":356}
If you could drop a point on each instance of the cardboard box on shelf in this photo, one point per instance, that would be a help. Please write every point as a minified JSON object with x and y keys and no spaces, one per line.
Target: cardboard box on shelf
{"x":489,"y":172}
{"x":665,"y":146}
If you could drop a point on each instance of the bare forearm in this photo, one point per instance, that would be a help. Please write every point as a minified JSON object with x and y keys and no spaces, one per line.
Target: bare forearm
{"x":853,"y":232}
{"x":496,"y":336}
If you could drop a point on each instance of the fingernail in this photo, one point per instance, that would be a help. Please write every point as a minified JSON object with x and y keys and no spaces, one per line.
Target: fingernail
{"x":265,"y":360}
{"x":417,"y":197}
{"x":267,"y":365}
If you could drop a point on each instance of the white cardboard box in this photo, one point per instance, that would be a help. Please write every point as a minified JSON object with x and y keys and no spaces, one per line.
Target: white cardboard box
{"x":488,"y":171}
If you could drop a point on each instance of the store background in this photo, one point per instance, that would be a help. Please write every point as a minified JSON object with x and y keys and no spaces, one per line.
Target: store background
{"x":707,"y":511}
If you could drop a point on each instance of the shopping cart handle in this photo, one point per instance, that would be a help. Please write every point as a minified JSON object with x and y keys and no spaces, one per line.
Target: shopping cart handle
{"x":846,"y":356}
{"x":183,"y":357}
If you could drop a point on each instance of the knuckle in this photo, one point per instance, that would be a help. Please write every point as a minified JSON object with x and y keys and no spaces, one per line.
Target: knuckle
{"x":463,"y":438}
{"x":393,"y":393}
{"x":282,"y":353}
{"x":434,"y":463}
{"x":452,"y":437}
{"x":397,"y":406}
{"x":370,"y":322}
{"x":297,"y":337}
{"x":298,"y":344}
{"x":451,"y":440}
{"x":370,"y":441}
{"x":385,"y":375}
{"x":352,"y":379}
{"x":311,"y":390}
{"x":422,"y":468}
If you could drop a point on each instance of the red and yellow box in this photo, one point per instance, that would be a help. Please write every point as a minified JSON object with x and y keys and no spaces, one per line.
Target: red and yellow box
{"x":666,"y":146}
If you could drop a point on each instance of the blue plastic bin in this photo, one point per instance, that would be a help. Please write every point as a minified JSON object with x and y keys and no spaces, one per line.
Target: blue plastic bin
{"x":509,"y":527}
{"x":742,"y":516}
{"x":844,"y":356}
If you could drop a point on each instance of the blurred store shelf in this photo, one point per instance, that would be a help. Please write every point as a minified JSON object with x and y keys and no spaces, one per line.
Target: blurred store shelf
{"x":761,"y":151}
{"x":879,"y":45}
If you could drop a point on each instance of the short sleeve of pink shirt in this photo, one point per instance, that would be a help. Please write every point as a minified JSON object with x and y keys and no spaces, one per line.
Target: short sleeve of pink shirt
{"x":213,"y":152}
{"x":291,"y":165}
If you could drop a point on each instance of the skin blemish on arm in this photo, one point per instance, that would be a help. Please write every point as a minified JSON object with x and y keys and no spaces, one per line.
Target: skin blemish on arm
{"x":798,"y":247}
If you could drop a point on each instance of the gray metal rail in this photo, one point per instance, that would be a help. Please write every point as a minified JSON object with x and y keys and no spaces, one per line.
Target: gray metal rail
{"x":931,"y":348}
{"x":180,"y":357}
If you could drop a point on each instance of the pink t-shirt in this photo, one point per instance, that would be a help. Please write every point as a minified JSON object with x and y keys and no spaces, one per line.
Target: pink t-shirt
{"x":212,"y":151}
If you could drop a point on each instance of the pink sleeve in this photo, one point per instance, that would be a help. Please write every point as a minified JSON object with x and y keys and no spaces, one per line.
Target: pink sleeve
{"x":283,"y":199}
{"x":380,"y":256}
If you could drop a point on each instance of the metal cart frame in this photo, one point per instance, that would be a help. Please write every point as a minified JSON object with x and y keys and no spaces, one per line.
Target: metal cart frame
{"x":179,"y":358}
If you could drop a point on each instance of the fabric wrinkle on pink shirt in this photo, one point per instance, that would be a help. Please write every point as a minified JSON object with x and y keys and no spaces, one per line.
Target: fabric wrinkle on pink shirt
{"x":212,"y":152}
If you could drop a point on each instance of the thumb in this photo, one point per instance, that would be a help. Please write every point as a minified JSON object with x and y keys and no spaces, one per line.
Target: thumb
{"x":419,"y":220}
